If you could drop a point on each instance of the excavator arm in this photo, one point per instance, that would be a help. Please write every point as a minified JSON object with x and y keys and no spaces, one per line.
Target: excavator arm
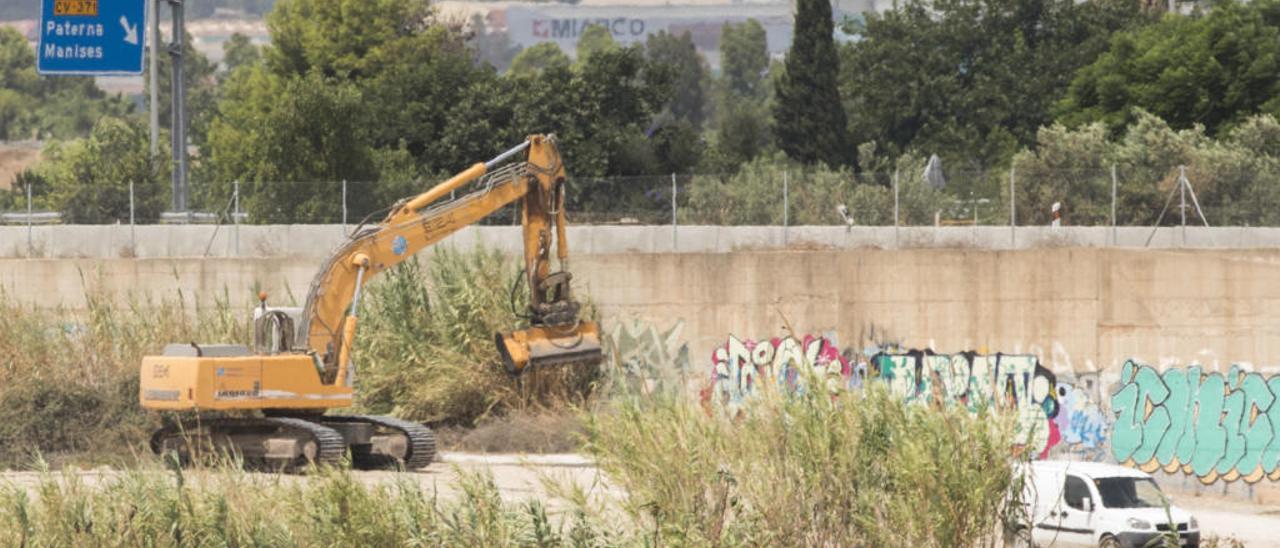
{"x":330,"y":316}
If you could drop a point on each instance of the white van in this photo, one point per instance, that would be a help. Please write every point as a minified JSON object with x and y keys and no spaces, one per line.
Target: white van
{"x":1096,"y":504}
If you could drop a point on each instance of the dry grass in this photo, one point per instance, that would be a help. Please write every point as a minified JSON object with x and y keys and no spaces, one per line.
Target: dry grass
{"x":70,"y":379}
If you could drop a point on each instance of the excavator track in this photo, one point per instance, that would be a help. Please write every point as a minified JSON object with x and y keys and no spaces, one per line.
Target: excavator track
{"x":246,"y":438}
{"x":419,"y":448}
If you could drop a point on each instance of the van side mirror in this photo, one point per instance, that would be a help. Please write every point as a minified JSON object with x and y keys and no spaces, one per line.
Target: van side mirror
{"x":1088,"y":504}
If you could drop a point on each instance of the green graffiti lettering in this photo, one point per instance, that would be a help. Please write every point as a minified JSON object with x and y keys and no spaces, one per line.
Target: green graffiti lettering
{"x":1126,"y":434}
{"x":1214,"y":426}
{"x":1178,"y":404}
{"x":1257,"y":429}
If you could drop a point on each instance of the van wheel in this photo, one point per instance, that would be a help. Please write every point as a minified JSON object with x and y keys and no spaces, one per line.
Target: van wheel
{"x":1109,"y":541}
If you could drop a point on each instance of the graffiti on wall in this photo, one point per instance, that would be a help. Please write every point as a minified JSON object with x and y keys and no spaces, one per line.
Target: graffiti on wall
{"x":1210,"y":425}
{"x":998,"y":381}
{"x":650,"y":359}
{"x":740,"y":366}
{"x":1214,"y":425}
{"x":1081,"y":423}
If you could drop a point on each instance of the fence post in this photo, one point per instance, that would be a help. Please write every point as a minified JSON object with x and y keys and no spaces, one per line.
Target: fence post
{"x":235,"y":215}
{"x":897,"y":240}
{"x":133,"y":236}
{"x":786,"y":173}
{"x":673,"y":212}
{"x":344,"y":206}
{"x":1013,"y":211}
{"x":1114,"y":234}
{"x":1182,"y":187}
{"x":31,"y":249}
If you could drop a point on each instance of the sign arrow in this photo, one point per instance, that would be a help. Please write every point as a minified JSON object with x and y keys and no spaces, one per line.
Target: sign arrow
{"x":130,"y":33}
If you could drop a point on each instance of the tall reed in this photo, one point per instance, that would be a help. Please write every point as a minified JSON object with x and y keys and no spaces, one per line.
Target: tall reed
{"x":426,"y":349}
{"x":69,"y":378}
{"x":811,"y":469}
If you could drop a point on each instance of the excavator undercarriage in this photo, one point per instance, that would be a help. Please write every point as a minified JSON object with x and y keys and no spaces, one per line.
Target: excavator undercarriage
{"x":292,"y":443}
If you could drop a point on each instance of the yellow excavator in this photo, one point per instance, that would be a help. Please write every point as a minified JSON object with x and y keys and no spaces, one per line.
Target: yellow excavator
{"x":301,"y":366}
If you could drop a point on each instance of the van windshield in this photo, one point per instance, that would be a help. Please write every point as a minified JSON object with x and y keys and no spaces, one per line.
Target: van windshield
{"x":1129,"y":493}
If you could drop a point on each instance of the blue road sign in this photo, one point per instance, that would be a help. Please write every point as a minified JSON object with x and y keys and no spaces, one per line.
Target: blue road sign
{"x":91,"y":37}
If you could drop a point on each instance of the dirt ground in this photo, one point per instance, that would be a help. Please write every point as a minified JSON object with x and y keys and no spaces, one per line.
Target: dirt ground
{"x":15,"y":157}
{"x":1229,"y":517}
{"x":523,"y":477}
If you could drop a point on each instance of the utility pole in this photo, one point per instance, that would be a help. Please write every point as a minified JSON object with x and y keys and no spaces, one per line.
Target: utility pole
{"x":178,"y":125}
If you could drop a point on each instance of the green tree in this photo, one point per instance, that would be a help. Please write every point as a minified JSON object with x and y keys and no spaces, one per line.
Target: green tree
{"x":742,"y":113}
{"x":239,"y":51}
{"x":18,"y":84}
{"x":88,"y":179}
{"x":810,"y":122}
{"x":742,"y":133}
{"x":1214,"y":68}
{"x":44,"y":107}
{"x":538,"y":57}
{"x":681,"y":56}
{"x":601,"y":111}
{"x":970,"y":80}
{"x":594,"y":39}
{"x":289,"y":141}
{"x":744,"y":57}
{"x":339,"y":37}
{"x":417,"y":77}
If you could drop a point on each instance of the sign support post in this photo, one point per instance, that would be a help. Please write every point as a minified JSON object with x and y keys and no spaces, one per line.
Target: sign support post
{"x":153,"y":10}
{"x":178,"y":125}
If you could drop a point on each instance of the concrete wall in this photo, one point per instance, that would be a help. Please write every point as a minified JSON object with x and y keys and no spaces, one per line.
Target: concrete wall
{"x":1081,"y":314}
{"x":1083,"y":309}
{"x":151,"y":241}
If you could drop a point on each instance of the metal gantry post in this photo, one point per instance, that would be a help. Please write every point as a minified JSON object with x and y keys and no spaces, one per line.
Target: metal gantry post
{"x":179,"y":116}
{"x":344,"y":206}
{"x":153,"y":9}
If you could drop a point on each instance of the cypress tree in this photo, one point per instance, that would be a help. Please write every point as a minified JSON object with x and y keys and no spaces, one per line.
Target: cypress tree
{"x":810,"y":123}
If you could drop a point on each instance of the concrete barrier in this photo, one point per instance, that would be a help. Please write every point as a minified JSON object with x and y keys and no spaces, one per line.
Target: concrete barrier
{"x":1088,"y":308}
{"x":155,"y":241}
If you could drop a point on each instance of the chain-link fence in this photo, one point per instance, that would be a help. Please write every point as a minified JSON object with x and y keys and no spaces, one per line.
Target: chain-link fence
{"x":1114,"y":196}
